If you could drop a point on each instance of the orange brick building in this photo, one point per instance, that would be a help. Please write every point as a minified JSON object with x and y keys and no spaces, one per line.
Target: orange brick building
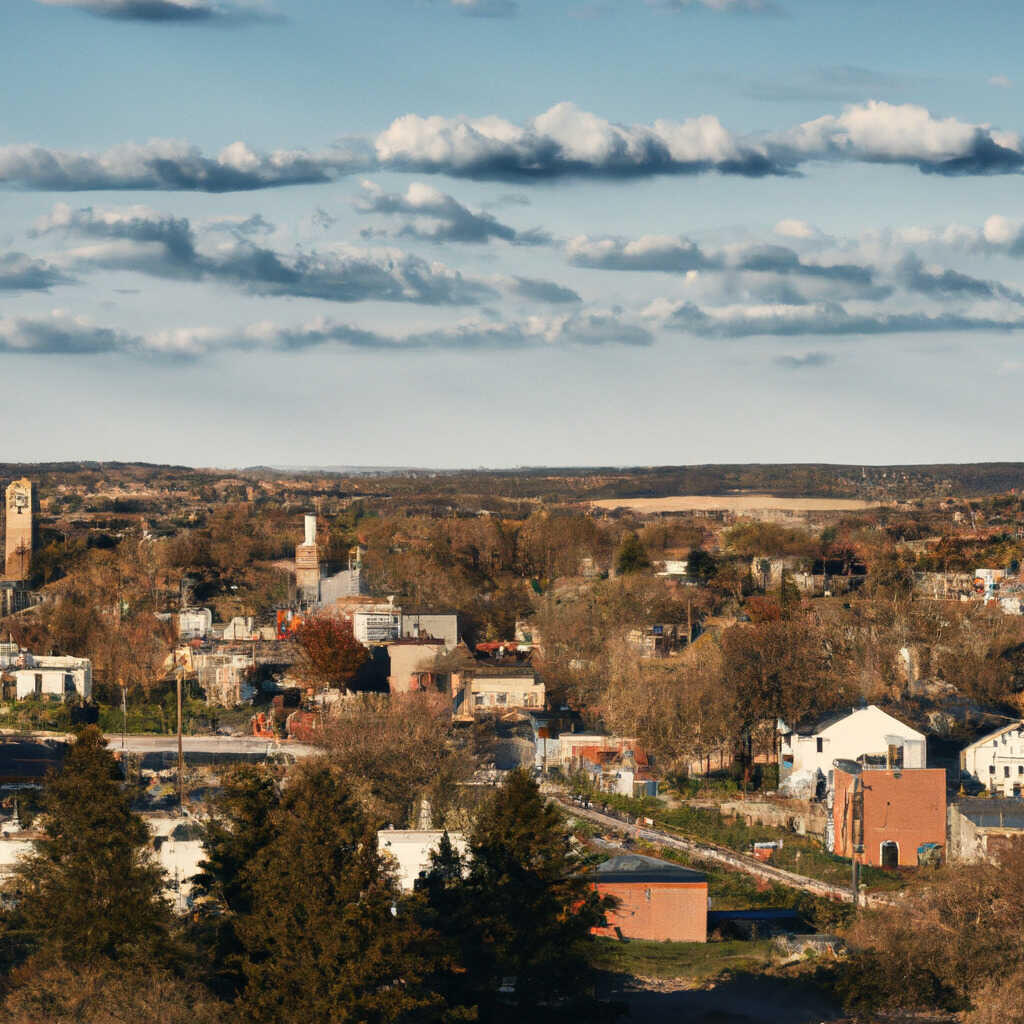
{"x":657,"y":900}
{"x":890,"y":811}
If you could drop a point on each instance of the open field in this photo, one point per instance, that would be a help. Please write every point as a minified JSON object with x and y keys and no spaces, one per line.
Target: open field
{"x":735,"y":503}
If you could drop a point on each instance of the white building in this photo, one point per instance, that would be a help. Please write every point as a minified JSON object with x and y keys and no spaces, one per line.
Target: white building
{"x":377,"y":624}
{"x":867,"y":733}
{"x":195,"y":623}
{"x":997,"y":760}
{"x":241,"y":627}
{"x":178,"y":845}
{"x":409,"y":850}
{"x":54,"y":677}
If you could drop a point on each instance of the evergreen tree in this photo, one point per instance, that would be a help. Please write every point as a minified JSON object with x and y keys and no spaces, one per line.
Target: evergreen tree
{"x":700,"y":565}
{"x":90,"y":890}
{"x":329,"y":939}
{"x":632,"y":556}
{"x":239,"y":830}
{"x":523,"y":913}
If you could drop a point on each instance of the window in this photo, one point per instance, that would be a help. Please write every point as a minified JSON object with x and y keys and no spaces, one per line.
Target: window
{"x":1006,"y":771}
{"x":820,"y":744}
{"x":896,"y":755}
{"x":39,"y":684}
{"x":502,"y":699}
{"x":478,"y":700}
{"x":991,"y":769}
{"x":1020,"y":769}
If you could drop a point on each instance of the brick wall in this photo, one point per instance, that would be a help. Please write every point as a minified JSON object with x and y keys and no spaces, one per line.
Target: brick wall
{"x":661,"y":911}
{"x":903,"y":806}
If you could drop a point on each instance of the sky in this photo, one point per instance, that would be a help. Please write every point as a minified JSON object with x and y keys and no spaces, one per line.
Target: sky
{"x":458,"y":233}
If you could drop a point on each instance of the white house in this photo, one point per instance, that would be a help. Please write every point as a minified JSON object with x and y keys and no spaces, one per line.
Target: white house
{"x":57,"y":677}
{"x":195,"y":623}
{"x":409,"y":850}
{"x":867,"y":733}
{"x":997,"y":760}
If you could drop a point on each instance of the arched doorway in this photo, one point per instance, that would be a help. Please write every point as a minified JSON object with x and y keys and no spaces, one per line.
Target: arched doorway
{"x":890,"y":854}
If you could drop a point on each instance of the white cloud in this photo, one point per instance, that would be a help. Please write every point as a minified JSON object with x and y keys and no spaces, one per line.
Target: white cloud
{"x":1000,"y":82}
{"x":796,"y":229}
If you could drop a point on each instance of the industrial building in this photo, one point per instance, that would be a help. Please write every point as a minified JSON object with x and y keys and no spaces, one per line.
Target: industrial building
{"x":658,"y":901}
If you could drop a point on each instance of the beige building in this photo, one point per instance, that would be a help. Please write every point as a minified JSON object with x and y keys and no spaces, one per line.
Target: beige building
{"x":18,"y":540}
{"x":486,"y":690}
{"x":412,"y":664}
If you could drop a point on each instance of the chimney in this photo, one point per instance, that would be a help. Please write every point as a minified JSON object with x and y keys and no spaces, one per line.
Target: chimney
{"x":310,"y":530}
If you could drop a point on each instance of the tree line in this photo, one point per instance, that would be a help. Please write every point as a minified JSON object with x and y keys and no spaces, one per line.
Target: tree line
{"x":303,"y":918}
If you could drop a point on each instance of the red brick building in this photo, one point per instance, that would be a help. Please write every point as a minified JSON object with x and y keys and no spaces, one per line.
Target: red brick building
{"x":657,"y":900}
{"x":890,"y":812}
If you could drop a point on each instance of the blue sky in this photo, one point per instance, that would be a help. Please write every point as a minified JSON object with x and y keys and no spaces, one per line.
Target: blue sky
{"x":481,"y":232}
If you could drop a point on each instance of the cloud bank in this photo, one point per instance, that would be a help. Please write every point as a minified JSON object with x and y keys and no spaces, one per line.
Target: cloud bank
{"x":63,"y":334}
{"x":142,"y":240}
{"x":563,"y":142}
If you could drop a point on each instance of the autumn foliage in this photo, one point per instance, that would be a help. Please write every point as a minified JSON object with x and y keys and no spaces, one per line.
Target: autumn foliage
{"x":331,"y":654}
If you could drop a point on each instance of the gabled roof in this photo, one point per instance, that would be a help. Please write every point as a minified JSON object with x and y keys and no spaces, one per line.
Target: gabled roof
{"x":816,"y":727}
{"x":989,"y":736}
{"x":634,"y":867}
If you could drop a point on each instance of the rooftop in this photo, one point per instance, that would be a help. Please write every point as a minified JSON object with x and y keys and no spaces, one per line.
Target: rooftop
{"x":634,"y":867}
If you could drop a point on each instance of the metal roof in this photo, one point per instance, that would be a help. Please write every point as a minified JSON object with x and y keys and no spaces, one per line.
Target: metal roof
{"x":634,"y":867}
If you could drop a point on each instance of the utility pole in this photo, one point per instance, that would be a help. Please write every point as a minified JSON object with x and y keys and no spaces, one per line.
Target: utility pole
{"x":124,"y":718}
{"x":181,"y":757}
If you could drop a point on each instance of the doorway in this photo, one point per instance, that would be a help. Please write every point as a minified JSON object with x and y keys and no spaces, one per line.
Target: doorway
{"x":890,"y":854}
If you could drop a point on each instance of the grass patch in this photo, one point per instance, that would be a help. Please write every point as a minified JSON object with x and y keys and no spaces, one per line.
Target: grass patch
{"x":699,"y":961}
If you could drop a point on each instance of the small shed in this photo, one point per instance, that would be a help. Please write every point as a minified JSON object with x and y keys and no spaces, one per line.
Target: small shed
{"x":658,"y":900}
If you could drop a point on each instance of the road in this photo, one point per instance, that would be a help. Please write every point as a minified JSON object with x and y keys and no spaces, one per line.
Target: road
{"x":208,"y":745}
{"x":710,"y":852}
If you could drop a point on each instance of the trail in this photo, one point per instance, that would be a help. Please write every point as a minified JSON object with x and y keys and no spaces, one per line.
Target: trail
{"x":712,"y":853}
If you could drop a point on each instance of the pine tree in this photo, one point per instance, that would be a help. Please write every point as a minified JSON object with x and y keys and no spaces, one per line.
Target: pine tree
{"x":329,"y":939}
{"x":632,"y":556}
{"x":90,"y":890}
{"x":524,"y":912}
{"x":239,"y":830}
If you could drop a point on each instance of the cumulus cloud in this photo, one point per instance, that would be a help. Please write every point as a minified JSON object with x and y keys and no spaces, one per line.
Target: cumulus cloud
{"x":170,"y":165}
{"x":1000,"y":82}
{"x":439,"y":217}
{"x":566,"y":141}
{"x":19,"y":272}
{"x":650,"y":252}
{"x":682,"y":256}
{"x":188,"y":11}
{"x":538,"y":290}
{"x":946,"y":283}
{"x":487,"y":8}
{"x":60,"y":334}
{"x":145,"y":241}
{"x":562,"y":142}
{"x":823,"y":319}
{"x":798,"y":229}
